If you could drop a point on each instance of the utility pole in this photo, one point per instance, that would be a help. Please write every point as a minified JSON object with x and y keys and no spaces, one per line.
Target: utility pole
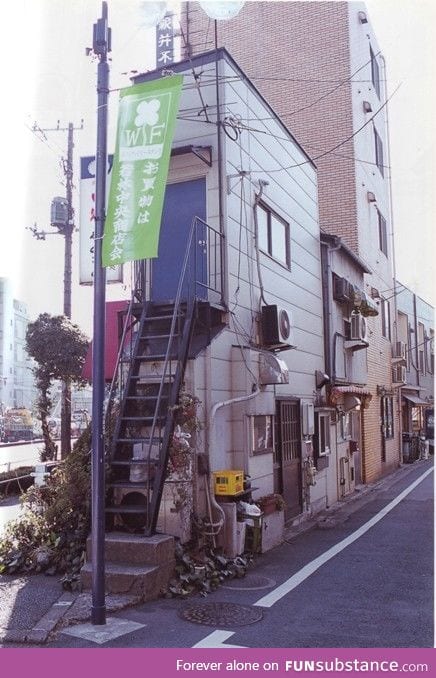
{"x":64,"y":227}
{"x":101,"y":46}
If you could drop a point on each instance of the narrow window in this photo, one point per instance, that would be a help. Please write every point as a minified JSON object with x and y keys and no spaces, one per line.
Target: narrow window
{"x":262,"y":434}
{"x":382,"y":234}
{"x":273,"y":235}
{"x":322,"y":434}
{"x":385,"y":318}
{"x":375,"y":72}
{"x":379,"y":159}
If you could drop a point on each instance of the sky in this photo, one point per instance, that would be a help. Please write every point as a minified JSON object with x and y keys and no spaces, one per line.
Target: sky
{"x":47,"y":77}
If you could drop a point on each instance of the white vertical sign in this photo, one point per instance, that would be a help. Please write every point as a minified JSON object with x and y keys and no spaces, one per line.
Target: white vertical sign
{"x":87,"y":214}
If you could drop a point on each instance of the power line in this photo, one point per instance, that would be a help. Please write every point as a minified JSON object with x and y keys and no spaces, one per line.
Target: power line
{"x":341,"y":143}
{"x":324,"y":96}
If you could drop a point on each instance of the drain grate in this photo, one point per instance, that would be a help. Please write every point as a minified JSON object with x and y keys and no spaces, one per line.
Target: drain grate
{"x":251,"y":582}
{"x":221,"y":614}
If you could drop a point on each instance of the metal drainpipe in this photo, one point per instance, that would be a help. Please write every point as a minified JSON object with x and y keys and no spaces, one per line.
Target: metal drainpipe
{"x":220,"y":173}
{"x":212,"y":427}
{"x":415,"y":324}
{"x":327,"y":303}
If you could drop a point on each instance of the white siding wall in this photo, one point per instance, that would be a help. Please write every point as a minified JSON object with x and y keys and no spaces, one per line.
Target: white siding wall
{"x":292,"y":193}
{"x":226,"y":369}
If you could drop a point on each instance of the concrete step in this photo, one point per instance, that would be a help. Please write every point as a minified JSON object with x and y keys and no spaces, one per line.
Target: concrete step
{"x":136,"y":549}
{"x":146,"y":582}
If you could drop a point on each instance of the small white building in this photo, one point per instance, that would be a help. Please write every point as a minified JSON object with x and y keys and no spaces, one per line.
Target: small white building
{"x":254,"y":278}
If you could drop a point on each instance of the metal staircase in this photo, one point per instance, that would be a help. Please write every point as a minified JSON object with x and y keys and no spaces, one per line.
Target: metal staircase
{"x":140,"y":419}
{"x":144,"y":425}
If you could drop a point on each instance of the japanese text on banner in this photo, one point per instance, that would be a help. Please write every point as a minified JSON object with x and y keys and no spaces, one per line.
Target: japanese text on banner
{"x":146,"y":122}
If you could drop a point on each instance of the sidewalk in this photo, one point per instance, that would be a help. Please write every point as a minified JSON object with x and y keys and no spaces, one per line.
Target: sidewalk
{"x":33,"y":607}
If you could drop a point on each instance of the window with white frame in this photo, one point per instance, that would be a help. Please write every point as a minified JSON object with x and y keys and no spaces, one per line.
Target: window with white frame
{"x":385,"y":318}
{"x":262,"y":439}
{"x":346,"y":425}
{"x":322,"y":434}
{"x":273,"y":234}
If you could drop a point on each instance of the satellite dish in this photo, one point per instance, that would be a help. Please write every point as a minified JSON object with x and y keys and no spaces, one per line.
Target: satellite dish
{"x":222,"y":10}
{"x":152,"y":13}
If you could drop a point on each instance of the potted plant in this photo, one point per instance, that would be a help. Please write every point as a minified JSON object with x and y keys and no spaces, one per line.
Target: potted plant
{"x":270,"y":503}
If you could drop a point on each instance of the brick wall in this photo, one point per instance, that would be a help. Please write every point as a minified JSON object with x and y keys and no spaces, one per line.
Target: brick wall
{"x":282,"y":48}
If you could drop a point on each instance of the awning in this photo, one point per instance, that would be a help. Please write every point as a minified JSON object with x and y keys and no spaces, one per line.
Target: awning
{"x":338,"y":392}
{"x":416,"y":400}
{"x":366,"y":305}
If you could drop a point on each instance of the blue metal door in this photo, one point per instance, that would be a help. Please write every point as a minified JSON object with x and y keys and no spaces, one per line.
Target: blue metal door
{"x":182,"y":203}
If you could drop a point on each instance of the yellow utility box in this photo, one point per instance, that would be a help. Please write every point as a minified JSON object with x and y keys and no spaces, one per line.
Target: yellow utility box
{"x":228,"y":482}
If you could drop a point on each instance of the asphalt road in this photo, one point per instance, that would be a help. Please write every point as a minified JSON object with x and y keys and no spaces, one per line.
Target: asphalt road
{"x":374,"y":590}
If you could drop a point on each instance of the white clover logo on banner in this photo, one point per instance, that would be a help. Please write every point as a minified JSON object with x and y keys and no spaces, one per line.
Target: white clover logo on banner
{"x":146,"y":123}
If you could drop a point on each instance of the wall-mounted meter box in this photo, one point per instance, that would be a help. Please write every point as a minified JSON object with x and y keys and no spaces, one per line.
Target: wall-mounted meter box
{"x":308,"y":419}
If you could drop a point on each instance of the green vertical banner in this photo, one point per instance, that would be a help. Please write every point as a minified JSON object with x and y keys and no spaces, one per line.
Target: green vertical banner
{"x":146,"y":122}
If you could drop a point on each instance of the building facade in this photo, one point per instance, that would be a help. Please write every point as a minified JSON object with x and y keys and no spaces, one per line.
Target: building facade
{"x":16,"y":379}
{"x":6,"y":344}
{"x":257,"y":346}
{"x":413,"y":361}
{"x":320,"y":67}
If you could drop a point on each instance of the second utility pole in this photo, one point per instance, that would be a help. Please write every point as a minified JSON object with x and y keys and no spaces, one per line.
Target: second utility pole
{"x":68,"y":234}
{"x":66,"y":228}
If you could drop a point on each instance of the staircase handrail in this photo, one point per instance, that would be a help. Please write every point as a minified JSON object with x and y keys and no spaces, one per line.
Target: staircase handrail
{"x":176,"y":311}
{"x":114,"y":381}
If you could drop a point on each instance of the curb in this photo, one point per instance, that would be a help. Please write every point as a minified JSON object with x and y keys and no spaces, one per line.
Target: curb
{"x":41,"y":631}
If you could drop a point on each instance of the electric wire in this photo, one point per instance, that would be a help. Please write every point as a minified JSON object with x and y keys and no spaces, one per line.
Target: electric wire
{"x":324,"y":96}
{"x":341,"y":143}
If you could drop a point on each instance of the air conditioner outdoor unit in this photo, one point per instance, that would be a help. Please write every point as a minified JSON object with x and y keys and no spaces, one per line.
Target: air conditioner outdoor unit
{"x":399,"y":350}
{"x":358,"y":327}
{"x":399,"y":374}
{"x":277,"y":328}
{"x":343,"y":290}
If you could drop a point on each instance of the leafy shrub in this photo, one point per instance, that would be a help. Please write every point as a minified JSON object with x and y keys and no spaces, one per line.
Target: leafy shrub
{"x":50,"y":533}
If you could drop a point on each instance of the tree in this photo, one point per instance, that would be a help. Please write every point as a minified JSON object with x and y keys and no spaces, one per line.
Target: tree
{"x":59,"y":349}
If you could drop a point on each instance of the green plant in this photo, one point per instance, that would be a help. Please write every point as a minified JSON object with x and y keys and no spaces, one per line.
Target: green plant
{"x":203,"y":571}
{"x":50,"y":533}
{"x":58,"y":348}
{"x":273,"y":501}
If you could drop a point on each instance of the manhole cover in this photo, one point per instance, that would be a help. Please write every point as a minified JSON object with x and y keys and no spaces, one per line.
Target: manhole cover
{"x":250,"y":582}
{"x":221,"y":614}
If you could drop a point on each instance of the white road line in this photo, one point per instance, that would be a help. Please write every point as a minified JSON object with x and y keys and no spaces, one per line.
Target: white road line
{"x":216,"y":639}
{"x":310,"y":568}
